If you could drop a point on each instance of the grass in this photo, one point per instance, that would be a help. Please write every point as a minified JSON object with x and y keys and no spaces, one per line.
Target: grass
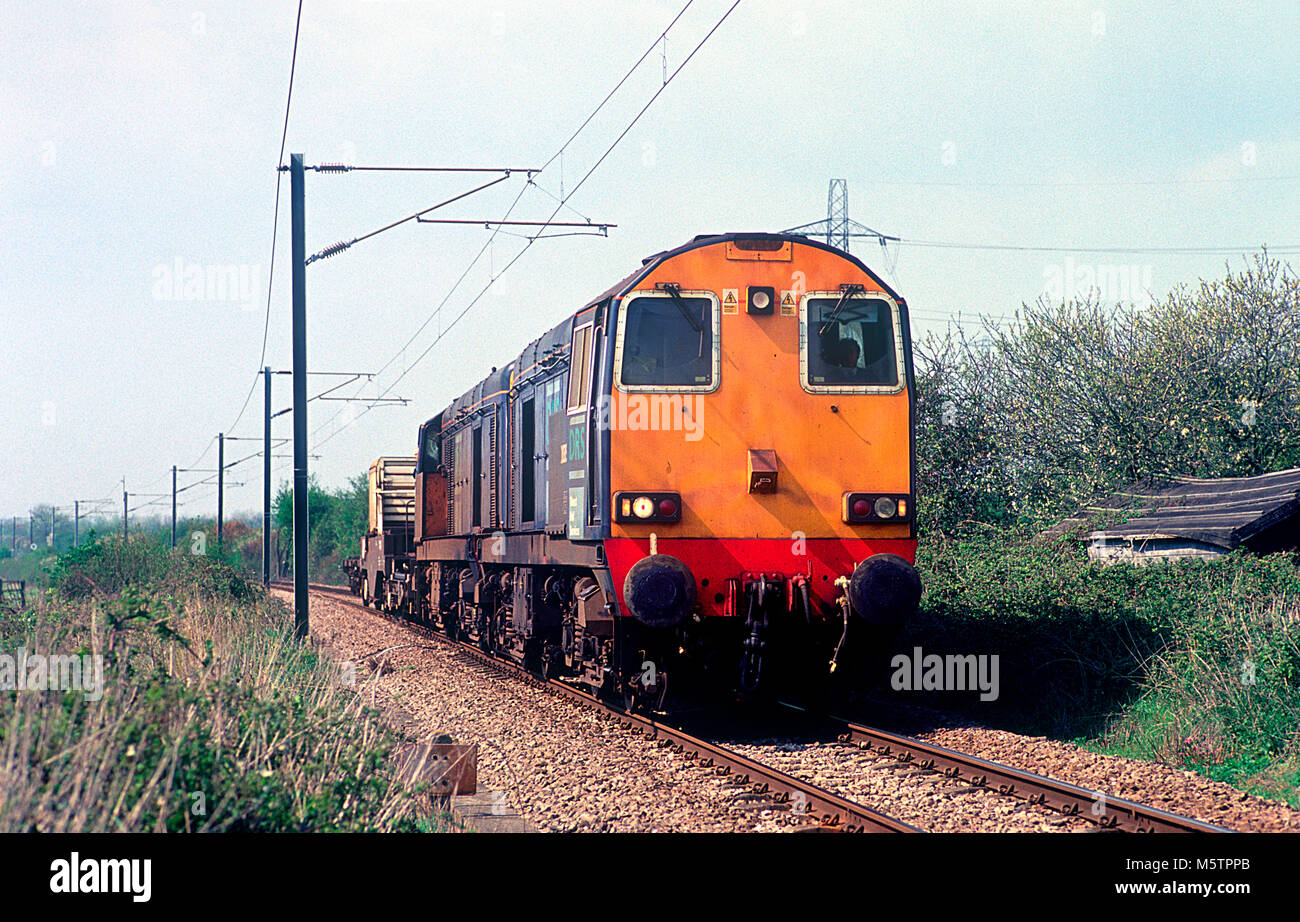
{"x":211,"y":717}
{"x":1194,"y":664}
{"x":1242,"y":727}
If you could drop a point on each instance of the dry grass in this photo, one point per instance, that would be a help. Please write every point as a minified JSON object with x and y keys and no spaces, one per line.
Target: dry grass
{"x":211,"y":719}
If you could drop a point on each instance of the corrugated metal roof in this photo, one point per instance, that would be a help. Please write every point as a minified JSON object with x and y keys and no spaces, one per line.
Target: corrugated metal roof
{"x":1223,"y":512}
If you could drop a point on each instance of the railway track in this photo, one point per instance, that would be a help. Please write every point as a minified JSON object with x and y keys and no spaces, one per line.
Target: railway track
{"x":832,"y":811}
{"x":1109,"y":813}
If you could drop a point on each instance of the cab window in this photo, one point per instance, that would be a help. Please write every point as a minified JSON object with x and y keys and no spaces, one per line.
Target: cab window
{"x":431,"y":445}
{"x":668,"y":342}
{"x":580,"y":367}
{"x":849,"y":343}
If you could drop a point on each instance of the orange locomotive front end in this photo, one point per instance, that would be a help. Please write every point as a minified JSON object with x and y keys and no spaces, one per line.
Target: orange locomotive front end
{"x":760,"y":446}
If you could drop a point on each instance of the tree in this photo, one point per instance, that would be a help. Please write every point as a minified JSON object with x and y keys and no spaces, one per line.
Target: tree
{"x":336,"y":520}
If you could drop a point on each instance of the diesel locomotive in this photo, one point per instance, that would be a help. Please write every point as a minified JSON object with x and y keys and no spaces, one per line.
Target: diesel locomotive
{"x":705,"y":474}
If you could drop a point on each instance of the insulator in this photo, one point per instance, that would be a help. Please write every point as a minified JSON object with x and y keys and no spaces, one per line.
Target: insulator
{"x":332,"y":168}
{"x":333,"y":249}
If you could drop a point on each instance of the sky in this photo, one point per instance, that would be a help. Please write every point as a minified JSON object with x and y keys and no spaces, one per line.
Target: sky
{"x":1017,"y":149}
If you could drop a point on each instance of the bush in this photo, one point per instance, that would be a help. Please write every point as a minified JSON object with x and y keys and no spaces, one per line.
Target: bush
{"x":1029,"y":422}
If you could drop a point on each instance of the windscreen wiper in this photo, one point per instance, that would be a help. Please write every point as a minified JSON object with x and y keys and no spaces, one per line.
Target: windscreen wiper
{"x":846,"y":292}
{"x":675,"y":292}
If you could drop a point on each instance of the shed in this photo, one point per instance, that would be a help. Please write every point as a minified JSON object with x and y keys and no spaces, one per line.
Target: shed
{"x":1186,"y":517}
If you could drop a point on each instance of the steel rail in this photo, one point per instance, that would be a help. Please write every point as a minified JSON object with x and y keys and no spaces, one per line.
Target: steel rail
{"x":832,"y":810}
{"x":1114,"y":813}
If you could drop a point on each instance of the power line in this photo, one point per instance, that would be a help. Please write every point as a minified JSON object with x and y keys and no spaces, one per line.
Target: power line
{"x":532,"y":181}
{"x":446,"y":298}
{"x":1074,"y":183}
{"x":229,"y":464}
{"x":489,"y":224}
{"x":343,"y":245}
{"x":510,"y":210}
{"x":528,"y":244}
{"x":293,"y":62}
{"x":610,"y":95}
{"x":348,"y":168}
{"x":574,"y":190}
{"x":275,"y":221}
{"x":644,"y":108}
{"x":561,"y":203}
{"x":1191,"y":250}
{"x":212,"y":441}
{"x":193,"y":463}
{"x":274,"y":230}
{"x":555,"y":198}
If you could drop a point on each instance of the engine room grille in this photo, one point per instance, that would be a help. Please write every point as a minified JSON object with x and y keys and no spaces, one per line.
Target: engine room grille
{"x":449,"y":464}
{"x":494,"y":509}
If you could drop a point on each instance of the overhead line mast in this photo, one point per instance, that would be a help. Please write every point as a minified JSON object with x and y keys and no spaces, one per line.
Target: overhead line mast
{"x":297,"y":192}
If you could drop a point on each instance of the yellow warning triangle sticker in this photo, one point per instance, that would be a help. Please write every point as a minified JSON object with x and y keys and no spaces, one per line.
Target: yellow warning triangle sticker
{"x":729,"y":301}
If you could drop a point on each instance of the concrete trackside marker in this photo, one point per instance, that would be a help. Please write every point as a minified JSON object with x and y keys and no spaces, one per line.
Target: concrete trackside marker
{"x":450,"y":770}
{"x":487,"y":811}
